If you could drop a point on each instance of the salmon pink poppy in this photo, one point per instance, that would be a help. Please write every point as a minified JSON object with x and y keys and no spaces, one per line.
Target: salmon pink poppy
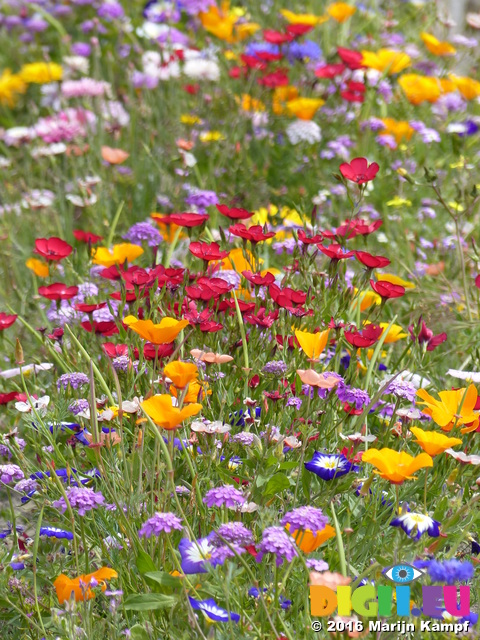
{"x":54,"y":248}
{"x":359,"y":171}
{"x":6,"y":320}
{"x":387,"y":290}
{"x":58,"y":291}
{"x":234,"y":213}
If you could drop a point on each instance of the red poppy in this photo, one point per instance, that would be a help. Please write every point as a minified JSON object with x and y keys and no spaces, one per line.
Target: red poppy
{"x":286,"y":298}
{"x":425,"y":335}
{"x":336,"y":252}
{"x":372,"y":262}
{"x":208,"y":289}
{"x":52,"y":248}
{"x":164,"y":350}
{"x":353,"y":59}
{"x":58,"y":291}
{"x":89,"y":308}
{"x":252,"y":62}
{"x":302,"y":236}
{"x":192,"y":89}
{"x":207,"y":251}
{"x":115,"y":350}
{"x":257,"y":279}
{"x":355,"y":92}
{"x":351,"y":410}
{"x":364,"y":338}
{"x":107,"y":328}
{"x":234,"y":213}
{"x":364,"y":228}
{"x":289,"y":342}
{"x":254,"y":382}
{"x":5,"y":398}
{"x":86,"y":236}
{"x":276,"y":79}
{"x":262,"y":318}
{"x":114,"y":272}
{"x":188,"y":220}
{"x":6,"y":320}
{"x":57,"y":334}
{"x":276,"y":37}
{"x":255,"y":233}
{"x":477,"y":282}
{"x":330,"y":70}
{"x":298,"y":30}
{"x":266,"y":56}
{"x":359,"y":171}
{"x":210,"y":326}
{"x":387,"y":290}
{"x":245,"y":307}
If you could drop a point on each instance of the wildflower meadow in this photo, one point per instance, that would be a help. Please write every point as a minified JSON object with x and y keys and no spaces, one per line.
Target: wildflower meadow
{"x":239,"y":320}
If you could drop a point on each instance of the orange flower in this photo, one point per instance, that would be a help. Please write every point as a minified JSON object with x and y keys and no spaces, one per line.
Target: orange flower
{"x":162,"y":333}
{"x":396,"y":466}
{"x":168,"y":231}
{"x":309,"y":541}
{"x":399,"y":129}
{"x":161,"y":410}
{"x":114,"y":156}
{"x":38,"y":267}
{"x":80,"y":586}
{"x":437,"y":47}
{"x":219,"y":22}
{"x":281,"y":96}
{"x":469,"y":88}
{"x":313,"y":344}
{"x":210,"y":357}
{"x":455,"y":408}
{"x":386,"y":60}
{"x":432,"y":442}
{"x":197,"y":391}
{"x":117,"y":255}
{"x":181,"y":373}
{"x":420,"y":89}
{"x":320,"y":380}
{"x":304,"y":108}
{"x":340,"y":11}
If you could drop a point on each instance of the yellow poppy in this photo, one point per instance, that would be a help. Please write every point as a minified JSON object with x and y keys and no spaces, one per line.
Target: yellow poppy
{"x":367,"y":299}
{"x":10,"y":86}
{"x":308,"y":540}
{"x":211,"y":136}
{"x":432,"y":442}
{"x":117,"y":255}
{"x":470,"y":89}
{"x":313,"y":344}
{"x":437,"y":47}
{"x":65,"y":586}
{"x":399,"y":129}
{"x":219,"y":21}
{"x":41,"y":72}
{"x":455,"y":408}
{"x":419,"y":88}
{"x":394,"y":334}
{"x":251,"y":104}
{"x":302,"y":18}
{"x":389,"y":277}
{"x":304,"y":108}
{"x":197,"y":391}
{"x":163,"y":333}
{"x":161,"y":410}
{"x":386,"y":60}
{"x":181,"y":373}
{"x":239,"y":260}
{"x":340,"y":11}
{"x":245,"y":30}
{"x":396,"y":466}
{"x":38,"y":267}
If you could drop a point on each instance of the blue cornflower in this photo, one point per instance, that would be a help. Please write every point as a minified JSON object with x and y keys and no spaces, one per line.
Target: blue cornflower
{"x":450,"y":571}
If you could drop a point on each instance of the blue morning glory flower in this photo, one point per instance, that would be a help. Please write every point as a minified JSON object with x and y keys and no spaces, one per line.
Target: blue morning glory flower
{"x":53,"y":532}
{"x":419,"y":522}
{"x":196,"y":554}
{"x":328,"y":466}
{"x":211,"y":609}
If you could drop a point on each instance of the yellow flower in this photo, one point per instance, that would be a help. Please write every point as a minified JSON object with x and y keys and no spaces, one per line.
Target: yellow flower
{"x":340,"y":11}
{"x":117,"y":255}
{"x":211,"y":136}
{"x":420,"y":89}
{"x":196,"y":392}
{"x":437,"y":47}
{"x":396,"y":466}
{"x":281,"y":96}
{"x":239,"y":260}
{"x":10,"y":86}
{"x":469,"y":88}
{"x":394,"y":334}
{"x":219,"y":21}
{"x":399,"y":129}
{"x":455,"y":408}
{"x":304,"y":108}
{"x":163,"y":333}
{"x":161,"y":410}
{"x":41,"y":72}
{"x":188,"y":119}
{"x":367,"y":299}
{"x":432,"y":442}
{"x":389,"y":277}
{"x":386,"y":60}
{"x":397,"y":201}
{"x":245,"y":30}
{"x":302,"y":18}
{"x":181,"y":373}
{"x":313,"y":344}
{"x":38,"y":267}
{"x":251,"y":104}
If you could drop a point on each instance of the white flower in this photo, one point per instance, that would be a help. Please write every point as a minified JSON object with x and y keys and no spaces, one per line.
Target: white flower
{"x":304,"y":131}
{"x":26,"y":369}
{"x":247,"y":507}
{"x":39,"y":405}
{"x":15,"y":136}
{"x":358,"y":437}
{"x":209,"y":427}
{"x":76,"y":63}
{"x":201,"y":69}
{"x":417,"y":381}
{"x":49,"y":150}
{"x":471,"y":376}
{"x":81,"y":201}
{"x":462,"y":457}
{"x":189,"y":159}
{"x":131,"y":406}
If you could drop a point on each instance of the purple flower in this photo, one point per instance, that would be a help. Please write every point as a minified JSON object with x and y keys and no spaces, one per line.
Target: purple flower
{"x":10,"y":472}
{"x":81,"y":498}
{"x":74,"y":380}
{"x":225,"y":495}
{"x":201,"y":199}
{"x":160,"y":523}
{"x":79,"y":406}
{"x":317,"y":565}
{"x":52,"y":532}
{"x":277,"y":541}
{"x":194,"y":7}
{"x":276,"y":367}
{"x":220,"y":554}
{"x":121,"y":363}
{"x":27,"y":485}
{"x":294,"y":402}
{"x":244,"y":437}
{"x":356,"y":397}
{"x":144,"y":232}
{"x":402,"y":389}
{"x":450,"y":571}
{"x":111,"y":10}
{"x":213,"y":612}
{"x":304,"y":518}
{"x":234,"y":533}
{"x":418,"y":523}
{"x":329,"y":466}
{"x":81,"y":49}
{"x":196,"y":554}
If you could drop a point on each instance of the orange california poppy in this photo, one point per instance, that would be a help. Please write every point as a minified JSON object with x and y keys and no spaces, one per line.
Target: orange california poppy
{"x":197,"y":391}
{"x":432,"y":442}
{"x":313,"y":344}
{"x":164,"y":414}
{"x":304,"y":108}
{"x":309,"y":541}
{"x":455,"y":408}
{"x":80,"y":586}
{"x":163,"y":333}
{"x":114,"y":156}
{"x":340,"y":11}
{"x":117,"y":255}
{"x":469,"y":88}
{"x":38,"y":267}
{"x":396,"y":466}
{"x":399,"y":129}
{"x":419,"y":88}
{"x":386,"y":60}
{"x":181,"y":373}
{"x":437,"y":47}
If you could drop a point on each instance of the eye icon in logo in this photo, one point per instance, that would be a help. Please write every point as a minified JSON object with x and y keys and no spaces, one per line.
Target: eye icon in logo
{"x":403,"y":573}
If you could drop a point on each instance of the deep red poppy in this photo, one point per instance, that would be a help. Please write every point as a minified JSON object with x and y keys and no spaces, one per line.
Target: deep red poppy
{"x":302,"y":236}
{"x":262,"y":318}
{"x":57,"y":334}
{"x":276,"y":37}
{"x":425,"y":335}
{"x":353,"y":59}
{"x":6,"y":320}
{"x":266,"y":56}
{"x":208,"y":289}
{"x":107,"y":328}
{"x":254,"y":382}
{"x":372,"y":262}
{"x":5,"y":398}
{"x":245,"y":307}
{"x":364,"y":338}
{"x":257,"y":279}
{"x":359,"y":171}
{"x":336,"y":252}
{"x":254,"y":234}
{"x":234,"y":213}
{"x":164,"y":350}
{"x":192,"y":89}
{"x":286,"y":297}
{"x":89,"y":308}
{"x":330,"y":70}
{"x":207,"y":251}
{"x":86,"y":236}
{"x":115,"y":350}
{"x":298,"y":30}
{"x":387,"y":290}
{"x":252,"y":62}
{"x":276,"y":79}
{"x":188,"y":220}
{"x":58,"y":291}
{"x":52,"y":248}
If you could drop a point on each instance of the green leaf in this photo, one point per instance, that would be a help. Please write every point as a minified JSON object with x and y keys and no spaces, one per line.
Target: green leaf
{"x":149,"y":602}
{"x":306,"y":480}
{"x":163,"y":578}
{"x":139,"y":633}
{"x":145,"y":563}
{"x":288,"y":466}
{"x":277,"y":483}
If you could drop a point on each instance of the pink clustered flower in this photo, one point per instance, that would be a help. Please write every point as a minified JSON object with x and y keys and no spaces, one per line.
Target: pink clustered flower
{"x":65,"y":126}
{"x":81,"y":498}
